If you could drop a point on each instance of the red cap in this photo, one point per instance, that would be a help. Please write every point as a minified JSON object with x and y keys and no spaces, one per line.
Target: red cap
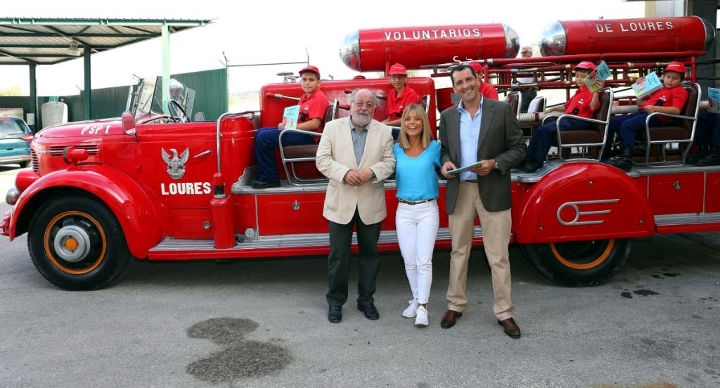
{"x":477,"y":67}
{"x":397,"y":69}
{"x":676,"y":67}
{"x":585,"y":65}
{"x":310,"y":68}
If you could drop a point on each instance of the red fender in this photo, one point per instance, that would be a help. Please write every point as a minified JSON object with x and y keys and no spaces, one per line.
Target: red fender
{"x":137,"y":212}
{"x":581,"y":201}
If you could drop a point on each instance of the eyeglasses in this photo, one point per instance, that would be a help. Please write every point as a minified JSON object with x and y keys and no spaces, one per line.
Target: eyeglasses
{"x":360,"y":104}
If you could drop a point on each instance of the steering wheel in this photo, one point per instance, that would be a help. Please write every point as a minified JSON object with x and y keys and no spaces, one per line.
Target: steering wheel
{"x":177,"y":113}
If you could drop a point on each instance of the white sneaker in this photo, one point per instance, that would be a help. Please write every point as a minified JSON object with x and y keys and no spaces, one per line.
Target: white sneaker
{"x":422,"y":316}
{"x":409,"y":312}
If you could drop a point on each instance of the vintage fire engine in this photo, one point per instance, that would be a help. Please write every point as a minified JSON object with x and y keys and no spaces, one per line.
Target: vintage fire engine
{"x":159,"y":187}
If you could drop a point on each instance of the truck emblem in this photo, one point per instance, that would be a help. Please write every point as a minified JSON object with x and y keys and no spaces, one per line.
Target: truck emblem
{"x":175,"y":163}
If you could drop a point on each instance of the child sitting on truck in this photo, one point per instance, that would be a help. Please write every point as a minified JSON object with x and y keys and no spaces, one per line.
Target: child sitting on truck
{"x":668,"y":99}
{"x":313,"y":105}
{"x":583,"y":104}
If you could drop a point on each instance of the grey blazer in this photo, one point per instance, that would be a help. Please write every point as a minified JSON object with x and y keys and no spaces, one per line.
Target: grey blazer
{"x":500,"y":139}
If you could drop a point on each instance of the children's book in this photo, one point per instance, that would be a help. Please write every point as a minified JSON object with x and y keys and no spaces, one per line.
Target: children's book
{"x":290,"y":116}
{"x":714,"y":99}
{"x":594,"y":80}
{"x":646,"y":85}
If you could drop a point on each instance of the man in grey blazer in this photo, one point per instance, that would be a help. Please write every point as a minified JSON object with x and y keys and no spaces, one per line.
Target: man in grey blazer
{"x":482,"y":131}
{"x":355,"y":153}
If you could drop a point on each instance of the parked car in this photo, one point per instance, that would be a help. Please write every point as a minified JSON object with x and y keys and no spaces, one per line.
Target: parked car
{"x":15,"y":138}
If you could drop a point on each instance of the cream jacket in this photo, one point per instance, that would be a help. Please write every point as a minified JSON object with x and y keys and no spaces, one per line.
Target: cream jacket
{"x":335,"y":157}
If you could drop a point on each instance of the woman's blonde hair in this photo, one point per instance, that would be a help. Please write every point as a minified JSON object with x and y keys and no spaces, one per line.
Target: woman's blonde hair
{"x":426,"y":135}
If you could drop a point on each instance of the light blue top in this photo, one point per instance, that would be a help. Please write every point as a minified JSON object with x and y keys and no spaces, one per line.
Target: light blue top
{"x":415,"y":177}
{"x":469,"y":135}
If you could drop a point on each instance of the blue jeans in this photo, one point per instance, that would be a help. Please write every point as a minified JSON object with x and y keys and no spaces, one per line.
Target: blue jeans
{"x":546,"y":135}
{"x":266,"y":141}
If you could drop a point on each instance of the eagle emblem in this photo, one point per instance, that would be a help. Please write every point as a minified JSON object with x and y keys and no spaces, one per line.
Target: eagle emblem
{"x":175,"y":163}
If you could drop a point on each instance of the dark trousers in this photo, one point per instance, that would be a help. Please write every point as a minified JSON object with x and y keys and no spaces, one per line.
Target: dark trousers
{"x":339,"y":260}
{"x":546,"y":135}
{"x":267,"y":140}
{"x":626,"y":126}
{"x":707,"y":129}
{"x":527,"y":97}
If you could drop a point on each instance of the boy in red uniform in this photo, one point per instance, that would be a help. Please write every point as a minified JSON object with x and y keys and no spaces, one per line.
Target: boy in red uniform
{"x":311,"y":117}
{"x":668,"y":99}
{"x":486,"y":89}
{"x":583,"y":103}
{"x":400,"y":97}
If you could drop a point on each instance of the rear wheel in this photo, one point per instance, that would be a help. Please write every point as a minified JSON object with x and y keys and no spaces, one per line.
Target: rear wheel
{"x":579,"y":263}
{"x":77,"y":244}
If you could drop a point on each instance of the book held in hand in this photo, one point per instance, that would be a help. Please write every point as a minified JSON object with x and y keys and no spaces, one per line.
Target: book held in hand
{"x":466,"y":168}
{"x":714,"y":99}
{"x":290,"y":116}
{"x":596,"y":78}
{"x":646,"y":85}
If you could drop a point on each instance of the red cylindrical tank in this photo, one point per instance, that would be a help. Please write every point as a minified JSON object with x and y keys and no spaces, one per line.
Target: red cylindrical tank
{"x":689,"y":33}
{"x":415,"y":47}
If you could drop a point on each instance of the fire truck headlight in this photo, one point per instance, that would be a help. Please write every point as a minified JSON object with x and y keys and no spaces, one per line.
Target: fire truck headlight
{"x":12,"y":196}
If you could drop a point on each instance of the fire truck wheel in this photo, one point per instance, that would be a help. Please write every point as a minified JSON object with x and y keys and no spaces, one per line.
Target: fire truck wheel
{"x":579,"y":263}
{"x":77,"y":244}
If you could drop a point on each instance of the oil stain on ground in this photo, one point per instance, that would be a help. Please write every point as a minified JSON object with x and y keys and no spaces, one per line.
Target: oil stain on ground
{"x":628,"y":294}
{"x":239,"y":358}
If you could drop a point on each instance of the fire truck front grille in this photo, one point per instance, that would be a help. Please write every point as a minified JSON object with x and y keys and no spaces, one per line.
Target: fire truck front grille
{"x":92,"y":149}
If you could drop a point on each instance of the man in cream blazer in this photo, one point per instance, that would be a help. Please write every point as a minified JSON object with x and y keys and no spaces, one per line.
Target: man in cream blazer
{"x":355,"y":153}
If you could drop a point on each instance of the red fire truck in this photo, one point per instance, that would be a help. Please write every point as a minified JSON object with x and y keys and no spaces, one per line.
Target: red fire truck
{"x":156,"y":186}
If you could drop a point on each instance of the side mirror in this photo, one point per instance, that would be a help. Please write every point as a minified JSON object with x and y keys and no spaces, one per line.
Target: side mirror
{"x":128,"y":121}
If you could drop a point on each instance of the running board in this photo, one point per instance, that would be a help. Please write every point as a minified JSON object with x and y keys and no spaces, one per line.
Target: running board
{"x":271,"y":246}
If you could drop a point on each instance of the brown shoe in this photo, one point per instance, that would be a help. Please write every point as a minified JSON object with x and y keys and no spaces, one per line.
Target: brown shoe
{"x":510,"y":327}
{"x":449,"y":319}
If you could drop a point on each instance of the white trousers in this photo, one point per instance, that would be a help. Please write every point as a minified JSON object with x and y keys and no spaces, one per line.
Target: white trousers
{"x":417,"y":227}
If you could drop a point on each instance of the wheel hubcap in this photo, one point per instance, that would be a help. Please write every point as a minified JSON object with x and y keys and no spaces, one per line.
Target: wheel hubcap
{"x":72,"y":243}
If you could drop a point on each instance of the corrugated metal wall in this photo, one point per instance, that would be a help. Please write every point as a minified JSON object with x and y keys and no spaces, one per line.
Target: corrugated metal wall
{"x":211,"y":98}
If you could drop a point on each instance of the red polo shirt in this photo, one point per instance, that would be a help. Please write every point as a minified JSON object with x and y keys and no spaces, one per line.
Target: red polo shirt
{"x":580,"y":101}
{"x":396,"y":104}
{"x":313,"y":106}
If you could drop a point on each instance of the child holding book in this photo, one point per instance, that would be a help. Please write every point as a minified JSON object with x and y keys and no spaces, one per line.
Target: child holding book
{"x":583,"y":103}
{"x":668,"y":99}
{"x":311,"y":117}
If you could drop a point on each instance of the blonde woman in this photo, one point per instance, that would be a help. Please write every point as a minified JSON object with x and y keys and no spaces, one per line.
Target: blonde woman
{"x":417,"y":158}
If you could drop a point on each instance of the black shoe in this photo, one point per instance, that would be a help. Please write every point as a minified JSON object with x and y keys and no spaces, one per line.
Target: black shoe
{"x":369,"y":310}
{"x":694,"y":158}
{"x":712,"y":158}
{"x":532,"y":165}
{"x":335,"y":314}
{"x":622,"y":163}
{"x":256,"y":184}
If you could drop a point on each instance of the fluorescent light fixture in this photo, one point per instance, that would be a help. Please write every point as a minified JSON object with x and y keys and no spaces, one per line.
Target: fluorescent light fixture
{"x":73,"y":49}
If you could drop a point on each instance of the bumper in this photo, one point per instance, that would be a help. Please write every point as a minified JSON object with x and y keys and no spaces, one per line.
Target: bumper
{"x":5,"y":224}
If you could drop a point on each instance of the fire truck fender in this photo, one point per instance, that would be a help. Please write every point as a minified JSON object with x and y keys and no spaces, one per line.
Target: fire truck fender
{"x":582,"y":201}
{"x":135,"y":210}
